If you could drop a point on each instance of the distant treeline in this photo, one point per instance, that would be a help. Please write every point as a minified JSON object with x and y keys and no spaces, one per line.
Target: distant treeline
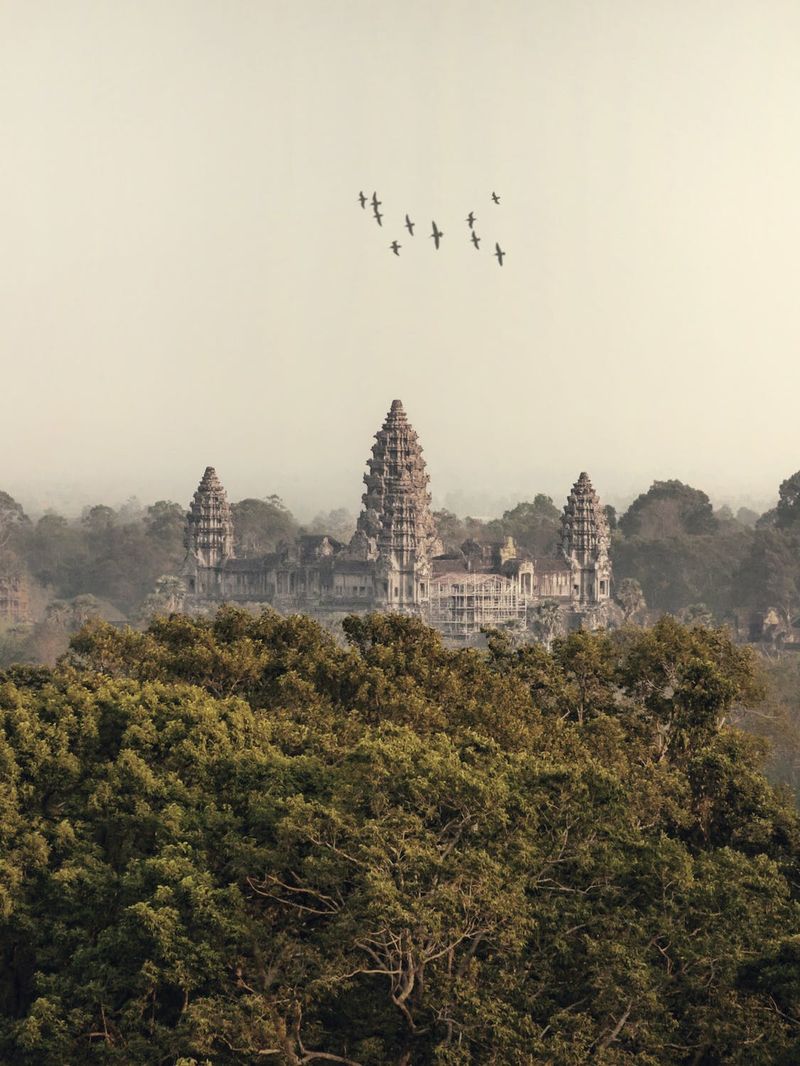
{"x":116,"y":564}
{"x":671,"y":551}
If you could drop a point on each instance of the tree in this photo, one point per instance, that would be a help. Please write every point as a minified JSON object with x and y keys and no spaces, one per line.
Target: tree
{"x":547,"y":622}
{"x":769,"y":576}
{"x":676,"y":571}
{"x":261,"y":525}
{"x":746,"y":516}
{"x":57,"y":554}
{"x":165,"y":522}
{"x":450,"y":529}
{"x":697,"y":614}
{"x":338,"y":523}
{"x":533,"y":525}
{"x":167,"y":597}
{"x":233,"y":839}
{"x":686,"y":679}
{"x":788,"y":509}
{"x":669,"y":508}
{"x":13,"y":520}
{"x":630,"y":597}
{"x":99,"y":519}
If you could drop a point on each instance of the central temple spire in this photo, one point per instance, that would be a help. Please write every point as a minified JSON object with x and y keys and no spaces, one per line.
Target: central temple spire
{"x":209,"y":524}
{"x":584,"y":527}
{"x":396,"y":524}
{"x":585,"y":541}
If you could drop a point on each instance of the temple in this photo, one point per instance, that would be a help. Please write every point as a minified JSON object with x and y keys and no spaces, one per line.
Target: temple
{"x":394,"y":560}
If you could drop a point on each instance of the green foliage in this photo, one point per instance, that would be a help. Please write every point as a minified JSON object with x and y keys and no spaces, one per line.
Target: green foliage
{"x":787,"y":513}
{"x":669,"y":508}
{"x":261,"y":525}
{"x":453,"y":531}
{"x":534,"y":526}
{"x":233,"y":840}
{"x":338,"y":523}
{"x":777,"y":719}
{"x":770,"y":574}
{"x":630,"y":597}
{"x":677,"y":571}
{"x":13,"y":521}
{"x":165,"y":524}
{"x":104,"y":555}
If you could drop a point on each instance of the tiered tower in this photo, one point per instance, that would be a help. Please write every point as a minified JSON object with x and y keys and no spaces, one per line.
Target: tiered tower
{"x":585,"y":542}
{"x":209,"y":533}
{"x":396,"y":526}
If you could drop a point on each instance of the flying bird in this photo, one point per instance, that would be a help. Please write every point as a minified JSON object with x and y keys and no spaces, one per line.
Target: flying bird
{"x":476,"y":240}
{"x":395,"y":247}
{"x":437,"y":235}
{"x":376,"y":203}
{"x":362,"y":199}
{"x":496,"y":198}
{"x":409,"y":226}
{"x":499,"y":253}
{"x":470,"y":220}
{"x":378,"y":215}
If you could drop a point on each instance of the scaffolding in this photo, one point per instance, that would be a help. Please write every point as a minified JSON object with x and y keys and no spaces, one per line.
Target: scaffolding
{"x":461,"y":605}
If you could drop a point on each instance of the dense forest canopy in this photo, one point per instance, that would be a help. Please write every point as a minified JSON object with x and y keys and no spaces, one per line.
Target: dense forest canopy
{"x":672,"y":553}
{"x":237,"y":840}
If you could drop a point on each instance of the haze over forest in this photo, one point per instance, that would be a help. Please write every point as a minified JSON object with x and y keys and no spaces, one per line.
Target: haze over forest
{"x":187,"y":277}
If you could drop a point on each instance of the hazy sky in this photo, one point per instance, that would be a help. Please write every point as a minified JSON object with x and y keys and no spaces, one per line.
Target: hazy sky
{"x":186,"y":277}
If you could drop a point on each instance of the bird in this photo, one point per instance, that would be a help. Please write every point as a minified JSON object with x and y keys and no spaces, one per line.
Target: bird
{"x":378,"y":215}
{"x":437,"y":235}
{"x":362,"y":199}
{"x":499,"y":253}
{"x":395,"y":247}
{"x":496,"y":198}
{"x":376,"y":203}
{"x":409,"y":226}
{"x":476,"y":240}
{"x":470,"y":220}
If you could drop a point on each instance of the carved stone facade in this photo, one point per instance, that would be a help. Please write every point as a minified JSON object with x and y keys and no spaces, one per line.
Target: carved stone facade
{"x":209,"y":537}
{"x":396,"y":529}
{"x":394,"y":560}
{"x":585,"y":541}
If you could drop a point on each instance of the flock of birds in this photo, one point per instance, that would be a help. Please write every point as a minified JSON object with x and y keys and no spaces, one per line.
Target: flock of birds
{"x":437,"y":234}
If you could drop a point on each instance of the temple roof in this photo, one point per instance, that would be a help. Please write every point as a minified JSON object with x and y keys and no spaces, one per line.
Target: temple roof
{"x":396,"y":517}
{"x":584,"y":527}
{"x":209,"y":524}
{"x":548,"y":565}
{"x":354,"y":566}
{"x":209,"y":482}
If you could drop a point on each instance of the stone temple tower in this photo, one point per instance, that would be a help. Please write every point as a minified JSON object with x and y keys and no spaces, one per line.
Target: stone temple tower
{"x":585,"y":542}
{"x":209,"y":535}
{"x":396,"y":526}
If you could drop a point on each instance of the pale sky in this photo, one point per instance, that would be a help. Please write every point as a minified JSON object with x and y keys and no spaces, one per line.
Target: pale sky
{"x":187,"y":279}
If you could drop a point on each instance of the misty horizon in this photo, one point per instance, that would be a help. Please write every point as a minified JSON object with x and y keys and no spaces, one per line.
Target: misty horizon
{"x":308,"y":503}
{"x":188,"y":278}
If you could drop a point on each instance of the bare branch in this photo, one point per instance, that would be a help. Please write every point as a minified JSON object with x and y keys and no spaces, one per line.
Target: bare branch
{"x":612,"y":1036}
